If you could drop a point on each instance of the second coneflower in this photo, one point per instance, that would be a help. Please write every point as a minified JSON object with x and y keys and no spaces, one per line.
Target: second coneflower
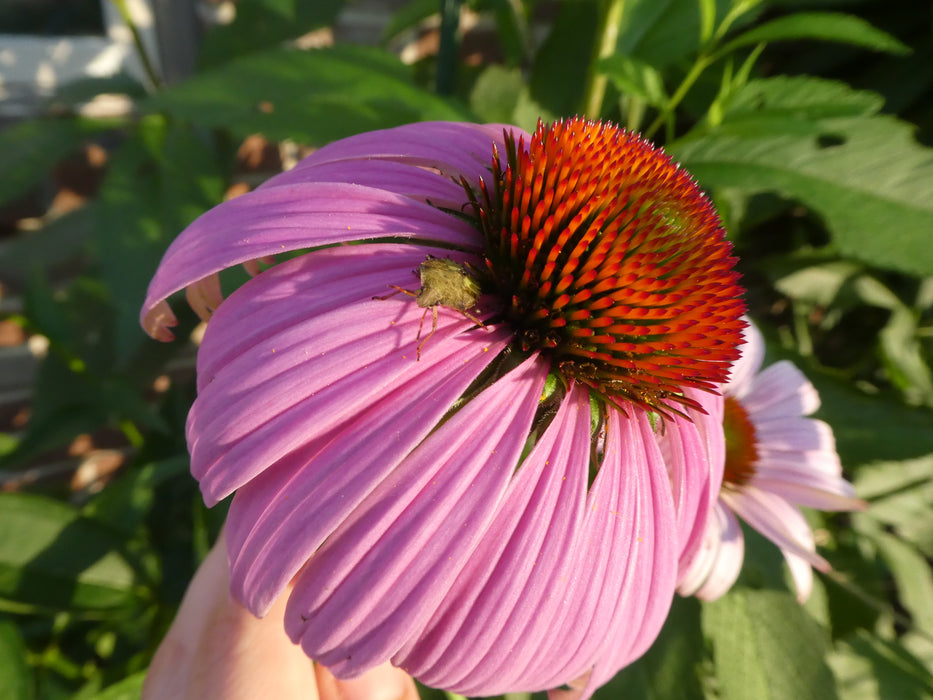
{"x":446,"y":433}
{"x":777,"y":459}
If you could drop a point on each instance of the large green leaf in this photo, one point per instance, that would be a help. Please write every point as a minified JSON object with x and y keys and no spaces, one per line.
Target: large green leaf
{"x":865,"y":175}
{"x":766,"y":647}
{"x":15,"y":677}
{"x":908,"y":567}
{"x":312,"y":97}
{"x":561,"y":68}
{"x":51,"y":557}
{"x":901,"y":497}
{"x":496,"y":93}
{"x":825,"y":26}
{"x":870,"y":668}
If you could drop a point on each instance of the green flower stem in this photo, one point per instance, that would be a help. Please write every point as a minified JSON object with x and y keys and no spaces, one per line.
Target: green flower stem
{"x":702,"y":63}
{"x":608,"y":37}
{"x":138,"y":42}
{"x":708,"y":56}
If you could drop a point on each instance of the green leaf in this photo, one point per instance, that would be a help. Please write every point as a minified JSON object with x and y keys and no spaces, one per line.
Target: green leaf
{"x":904,"y":358}
{"x":514,"y":32}
{"x":160,"y":181}
{"x":31,"y":148}
{"x":15,"y":677}
{"x":260,"y":24}
{"x":496,"y":93}
{"x":313,"y":97}
{"x":635,"y":78}
{"x":865,"y":175}
{"x":766,"y":647}
{"x":901,"y":497}
{"x":663,"y":33}
{"x":562,"y":65}
{"x":798,"y":99}
{"x":825,"y":26}
{"x":59,"y":245}
{"x":409,"y":15}
{"x":870,"y":668}
{"x":912,"y":577}
{"x":128,"y":689}
{"x":51,"y":557}
{"x":871,"y":428}
{"x":668,"y":670}
{"x":125,"y":503}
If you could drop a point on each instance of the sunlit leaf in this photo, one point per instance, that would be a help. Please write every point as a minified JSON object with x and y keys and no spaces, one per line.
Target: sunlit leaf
{"x":901,"y":497}
{"x":635,"y":78}
{"x":496,"y":93}
{"x":824,"y":26}
{"x":870,"y":668}
{"x":129,"y":688}
{"x":866,"y":176}
{"x":51,"y":557}
{"x":312,"y":97}
{"x":765,"y":646}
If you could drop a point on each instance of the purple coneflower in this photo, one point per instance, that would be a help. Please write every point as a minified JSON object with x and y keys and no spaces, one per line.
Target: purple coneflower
{"x":776,"y":460}
{"x":456,"y":462}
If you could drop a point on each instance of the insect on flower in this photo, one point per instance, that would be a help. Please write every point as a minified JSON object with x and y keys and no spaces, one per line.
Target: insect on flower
{"x":443,"y":283}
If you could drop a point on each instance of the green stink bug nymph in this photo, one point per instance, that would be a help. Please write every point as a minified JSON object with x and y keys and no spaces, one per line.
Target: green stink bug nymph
{"x":443,"y":283}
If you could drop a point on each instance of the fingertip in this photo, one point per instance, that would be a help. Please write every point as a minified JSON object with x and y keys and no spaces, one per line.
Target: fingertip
{"x":385,"y":682}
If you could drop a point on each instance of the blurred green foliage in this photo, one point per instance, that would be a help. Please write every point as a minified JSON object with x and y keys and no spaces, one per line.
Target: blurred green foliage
{"x":806,"y":120}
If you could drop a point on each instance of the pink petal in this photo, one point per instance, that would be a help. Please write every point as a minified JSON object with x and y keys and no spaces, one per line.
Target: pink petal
{"x":694,"y":450}
{"x":409,"y":181}
{"x":380,"y":576}
{"x":719,"y":561}
{"x":274,"y":220}
{"x":777,"y":520}
{"x":781,"y":390}
{"x":802,"y":574}
{"x":291,"y":385}
{"x":491,"y":623}
{"x":647,"y":518}
{"x":746,"y":367}
{"x":793,"y":434}
{"x":454,"y":149}
{"x":839,"y":496}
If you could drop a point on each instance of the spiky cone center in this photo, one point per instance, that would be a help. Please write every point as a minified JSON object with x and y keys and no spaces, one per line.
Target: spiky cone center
{"x":607,"y":256}
{"x":741,"y":444}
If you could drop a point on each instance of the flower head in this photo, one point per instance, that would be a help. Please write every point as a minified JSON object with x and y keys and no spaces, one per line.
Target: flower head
{"x":776,"y":460}
{"x":485,"y":503}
